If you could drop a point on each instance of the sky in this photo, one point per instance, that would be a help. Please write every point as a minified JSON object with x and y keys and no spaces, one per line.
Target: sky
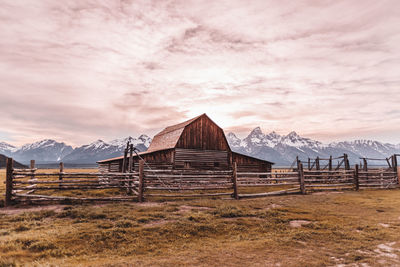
{"x":81,"y":70}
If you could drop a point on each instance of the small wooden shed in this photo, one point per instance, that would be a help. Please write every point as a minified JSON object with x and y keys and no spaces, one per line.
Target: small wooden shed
{"x":198,"y":143}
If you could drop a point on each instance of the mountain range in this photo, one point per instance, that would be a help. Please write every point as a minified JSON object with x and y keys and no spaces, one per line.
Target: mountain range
{"x":280,"y":149}
{"x":283,"y":149}
{"x":50,"y":151}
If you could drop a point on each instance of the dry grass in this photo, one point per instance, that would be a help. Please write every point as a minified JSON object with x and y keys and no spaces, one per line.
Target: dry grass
{"x":2,"y":180}
{"x":350,"y":228}
{"x":346,"y":228}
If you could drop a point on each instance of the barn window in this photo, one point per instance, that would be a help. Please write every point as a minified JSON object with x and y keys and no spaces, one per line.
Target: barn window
{"x":216,"y":164}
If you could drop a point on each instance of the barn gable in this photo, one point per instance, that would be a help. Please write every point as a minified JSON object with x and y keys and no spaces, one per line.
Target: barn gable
{"x":202,"y":133}
{"x":197,"y":133}
{"x":167,"y":138}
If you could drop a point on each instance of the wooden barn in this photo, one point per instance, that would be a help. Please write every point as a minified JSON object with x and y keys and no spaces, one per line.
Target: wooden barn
{"x":198,"y":143}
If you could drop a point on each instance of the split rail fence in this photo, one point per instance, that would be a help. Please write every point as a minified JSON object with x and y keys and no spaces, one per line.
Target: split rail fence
{"x":31,"y":185}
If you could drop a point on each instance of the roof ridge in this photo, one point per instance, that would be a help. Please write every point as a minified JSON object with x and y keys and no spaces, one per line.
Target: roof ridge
{"x":177,"y":126}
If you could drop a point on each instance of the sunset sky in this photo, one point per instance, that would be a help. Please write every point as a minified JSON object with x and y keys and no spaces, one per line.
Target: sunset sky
{"x":77,"y":71}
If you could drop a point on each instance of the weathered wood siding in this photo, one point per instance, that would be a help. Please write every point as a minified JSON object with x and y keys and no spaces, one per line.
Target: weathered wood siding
{"x":201,"y":159}
{"x":164,"y":156}
{"x":104,"y":167}
{"x":113,"y":166}
{"x":249,"y":164}
{"x":156,"y":160}
{"x":203,"y":134}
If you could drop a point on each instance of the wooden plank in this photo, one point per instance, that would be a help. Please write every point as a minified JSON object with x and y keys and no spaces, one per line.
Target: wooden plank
{"x":281,"y":192}
{"x":71,"y":187}
{"x":398,"y":174}
{"x":9,"y":181}
{"x":268,"y":179}
{"x":32,"y":166}
{"x":60,"y":178}
{"x":330,"y":185}
{"x":258,"y":185}
{"x":301,"y":179}
{"x":75,"y":198}
{"x":189,"y":188}
{"x":234,"y":181}
{"x":141,"y":181}
{"x":189,"y":195}
{"x":74,"y":182}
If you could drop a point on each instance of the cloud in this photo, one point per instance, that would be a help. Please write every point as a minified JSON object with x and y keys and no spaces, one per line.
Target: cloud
{"x":106,"y":69}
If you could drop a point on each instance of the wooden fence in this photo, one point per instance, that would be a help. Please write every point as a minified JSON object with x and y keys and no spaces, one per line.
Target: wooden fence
{"x":34,"y":185}
{"x":378,"y":178}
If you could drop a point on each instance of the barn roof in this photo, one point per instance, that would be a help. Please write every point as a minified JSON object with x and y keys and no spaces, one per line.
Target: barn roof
{"x":167,"y":138}
{"x":247,"y":156}
{"x":121,"y":157}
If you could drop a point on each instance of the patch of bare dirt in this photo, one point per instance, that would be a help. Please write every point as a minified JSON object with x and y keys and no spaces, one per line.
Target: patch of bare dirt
{"x":16,"y":210}
{"x":298,"y":223}
{"x":327,"y":193}
{"x":387,"y":250}
{"x":273,"y":206}
{"x":150,"y":204}
{"x":186,"y":208}
{"x":384,"y":225}
{"x":158,"y":223}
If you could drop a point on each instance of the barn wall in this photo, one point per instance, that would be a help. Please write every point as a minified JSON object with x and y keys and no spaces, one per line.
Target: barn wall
{"x":113,"y":166}
{"x":157,"y":160}
{"x":203,"y":134}
{"x":201,"y":159}
{"x":249,"y":164}
{"x":104,"y":167}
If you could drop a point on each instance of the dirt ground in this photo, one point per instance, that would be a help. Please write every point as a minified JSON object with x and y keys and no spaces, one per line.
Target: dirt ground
{"x":346,"y":229}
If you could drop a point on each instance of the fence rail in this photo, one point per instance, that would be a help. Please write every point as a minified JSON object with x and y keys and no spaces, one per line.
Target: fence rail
{"x":31,"y":184}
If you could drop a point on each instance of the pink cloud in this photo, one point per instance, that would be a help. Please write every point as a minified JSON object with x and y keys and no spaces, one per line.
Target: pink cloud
{"x":327,"y":69}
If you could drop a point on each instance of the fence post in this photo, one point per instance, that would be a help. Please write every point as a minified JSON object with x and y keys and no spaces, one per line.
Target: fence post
{"x":301,"y":179}
{"x":365,"y":165}
{"x":141,"y":180}
{"x":356,"y":181}
{"x":125,"y":156}
{"x":398,"y":174}
{"x":234,"y":181}
{"x":130,"y":167}
{"x":32,"y":179}
{"x":60,"y":177}
{"x":9,"y":182}
{"x":32,"y":165}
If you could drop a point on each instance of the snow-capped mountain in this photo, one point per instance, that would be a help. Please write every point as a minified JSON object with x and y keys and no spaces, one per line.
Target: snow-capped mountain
{"x":141,"y":143}
{"x":93,"y":152}
{"x":50,"y":151}
{"x":233,"y":140}
{"x":283,"y":149}
{"x":368,"y":148}
{"x":42,"y":151}
{"x":6,"y":148}
{"x":99,"y":149}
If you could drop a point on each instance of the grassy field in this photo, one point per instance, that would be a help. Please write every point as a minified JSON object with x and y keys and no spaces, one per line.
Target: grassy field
{"x":343,"y":229}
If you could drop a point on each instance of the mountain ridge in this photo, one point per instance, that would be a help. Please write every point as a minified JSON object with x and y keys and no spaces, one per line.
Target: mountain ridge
{"x":280,"y":149}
